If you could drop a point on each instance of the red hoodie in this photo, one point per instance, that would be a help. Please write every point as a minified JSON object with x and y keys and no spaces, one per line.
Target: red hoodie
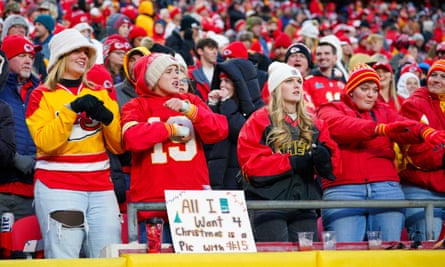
{"x":158,"y":162}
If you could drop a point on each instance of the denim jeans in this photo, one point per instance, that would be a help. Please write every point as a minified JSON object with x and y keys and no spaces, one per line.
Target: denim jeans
{"x":102,"y":225}
{"x":415,"y":217}
{"x":351,"y":224}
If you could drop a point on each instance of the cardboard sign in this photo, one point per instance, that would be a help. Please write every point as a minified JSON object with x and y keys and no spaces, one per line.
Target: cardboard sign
{"x":209,"y":221}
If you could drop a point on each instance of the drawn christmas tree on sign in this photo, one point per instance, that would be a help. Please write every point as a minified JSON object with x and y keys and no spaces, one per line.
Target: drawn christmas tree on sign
{"x":177,"y":218}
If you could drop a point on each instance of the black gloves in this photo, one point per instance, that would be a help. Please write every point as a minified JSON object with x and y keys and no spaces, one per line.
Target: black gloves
{"x":93,"y":107}
{"x":85,"y":103}
{"x":322,"y":161}
{"x":102,"y":114}
{"x":301,"y":163}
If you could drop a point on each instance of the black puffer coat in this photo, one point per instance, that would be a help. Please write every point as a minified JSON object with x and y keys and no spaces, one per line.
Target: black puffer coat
{"x":222,"y":158}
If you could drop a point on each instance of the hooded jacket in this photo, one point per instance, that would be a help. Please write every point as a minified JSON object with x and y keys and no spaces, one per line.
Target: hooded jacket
{"x":425,"y":163}
{"x":158,"y":163}
{"x":222,"y":158}
{"x":366,"y":157}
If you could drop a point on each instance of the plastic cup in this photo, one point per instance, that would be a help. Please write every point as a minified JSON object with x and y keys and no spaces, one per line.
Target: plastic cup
{"x":154,"y":227}
{"x":329,"y":239}
{"x":305,"y":240}
{"x":374,"y":239}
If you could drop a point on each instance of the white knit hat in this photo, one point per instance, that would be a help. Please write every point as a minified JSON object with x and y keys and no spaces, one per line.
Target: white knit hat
{"x":156,"y":66}
{"x":67,"y":41}
{"x":309,"y":28}
{"x":279,"y":72}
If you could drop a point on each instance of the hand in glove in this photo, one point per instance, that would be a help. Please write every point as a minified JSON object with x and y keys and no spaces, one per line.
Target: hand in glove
{"x":24,"y":163}
{"x":102,"y":114}
{"x":434,"y":137}
{"x":178,"y":132}
{"x":395,"y":129}
{"x":322,"y":161}
{"x":86,"y":103}
{"x":301,"y":163}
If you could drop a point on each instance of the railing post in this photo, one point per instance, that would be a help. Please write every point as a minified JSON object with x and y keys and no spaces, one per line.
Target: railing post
{"x":132,"y":223}
{"x":429,"y":221}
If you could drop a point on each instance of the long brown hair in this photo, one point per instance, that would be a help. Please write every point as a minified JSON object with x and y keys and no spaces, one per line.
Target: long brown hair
{"x":280,"y":134}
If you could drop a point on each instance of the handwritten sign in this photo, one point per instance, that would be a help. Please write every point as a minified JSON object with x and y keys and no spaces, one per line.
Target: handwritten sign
{"x":209,"y":221}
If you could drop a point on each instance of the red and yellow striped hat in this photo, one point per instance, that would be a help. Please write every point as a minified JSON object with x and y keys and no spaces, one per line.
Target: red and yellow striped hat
{"x":359,"y":74}
{"x":438,"y":65}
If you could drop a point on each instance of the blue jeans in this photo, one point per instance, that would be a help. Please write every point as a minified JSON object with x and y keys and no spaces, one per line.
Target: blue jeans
{"x":102,"y":225}
{"x":415,"y":217}
{"x":351,"y":224}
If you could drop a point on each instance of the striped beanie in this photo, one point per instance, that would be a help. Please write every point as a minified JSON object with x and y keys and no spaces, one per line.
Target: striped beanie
{"x":359,"y":74}
{"x":438,"y":65}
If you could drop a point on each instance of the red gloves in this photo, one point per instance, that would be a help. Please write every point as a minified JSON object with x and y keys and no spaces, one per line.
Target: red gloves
{"x":434,"y":137}
{"x":394,"y":129}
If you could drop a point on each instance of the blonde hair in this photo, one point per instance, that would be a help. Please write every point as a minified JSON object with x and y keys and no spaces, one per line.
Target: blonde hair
{"x":57,"y":71}
{"x":280,"y":135}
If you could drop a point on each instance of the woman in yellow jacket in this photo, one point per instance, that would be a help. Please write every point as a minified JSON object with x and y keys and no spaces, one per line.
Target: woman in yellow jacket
{"x":73,"y":123}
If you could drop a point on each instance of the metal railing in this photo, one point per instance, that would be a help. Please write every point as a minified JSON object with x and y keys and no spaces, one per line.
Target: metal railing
{"x":428,"y":205}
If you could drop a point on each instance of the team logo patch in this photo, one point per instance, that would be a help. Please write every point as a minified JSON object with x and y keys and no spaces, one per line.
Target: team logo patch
{"x":319,"y":85}
{"x":28,"y":48}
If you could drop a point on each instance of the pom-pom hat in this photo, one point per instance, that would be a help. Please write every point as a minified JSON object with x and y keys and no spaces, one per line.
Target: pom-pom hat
{"x":361,"y":73}
{"x":67,"y":41}
{"x":299,"y":48}
{"x":279,"y":72}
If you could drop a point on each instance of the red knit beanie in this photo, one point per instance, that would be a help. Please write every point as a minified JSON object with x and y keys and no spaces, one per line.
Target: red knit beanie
{"x":361,"y":73}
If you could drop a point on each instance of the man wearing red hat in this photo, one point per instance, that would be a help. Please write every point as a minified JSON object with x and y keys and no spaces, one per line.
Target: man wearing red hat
{"x":16,"y":187}
{"x":175,"y":21}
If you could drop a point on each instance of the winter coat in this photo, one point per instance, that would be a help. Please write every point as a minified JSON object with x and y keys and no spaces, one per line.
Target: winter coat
{"x":222,"y":158}
{"x":425,"y":162}
{"x":366,"y":156}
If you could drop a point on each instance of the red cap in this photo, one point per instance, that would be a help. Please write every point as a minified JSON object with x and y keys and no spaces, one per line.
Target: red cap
{"x":201,"y":8}
{"x":239,"y":23}
{"x":236,"y":49}
{"x":282,"y":40}
{"x":15,"y":44}
{"x":411,"y":68}
{"x":174,"y":12}
{"x":382,"y":65}
{"x":136,"y":31}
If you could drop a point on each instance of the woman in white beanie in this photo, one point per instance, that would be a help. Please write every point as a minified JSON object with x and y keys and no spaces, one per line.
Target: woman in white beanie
{"x":279,"y":147}
{"x":73,"y":122}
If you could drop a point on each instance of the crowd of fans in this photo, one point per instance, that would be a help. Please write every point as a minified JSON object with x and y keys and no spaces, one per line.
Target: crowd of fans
{"x":289,"y":100}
